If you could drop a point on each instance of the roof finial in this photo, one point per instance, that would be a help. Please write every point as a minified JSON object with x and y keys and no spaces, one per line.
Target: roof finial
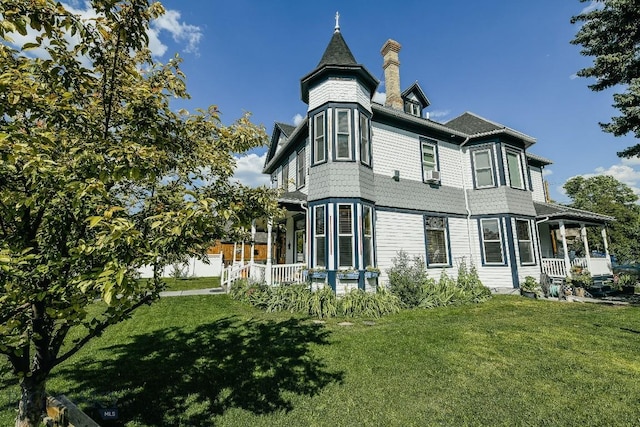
{"x":337,"y":23}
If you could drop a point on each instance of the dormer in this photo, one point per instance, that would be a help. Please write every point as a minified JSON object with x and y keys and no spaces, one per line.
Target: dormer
{"x":414,"y":100}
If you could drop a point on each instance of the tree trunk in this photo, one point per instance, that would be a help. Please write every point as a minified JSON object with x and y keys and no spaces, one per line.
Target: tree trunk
{"x":33,"y":402}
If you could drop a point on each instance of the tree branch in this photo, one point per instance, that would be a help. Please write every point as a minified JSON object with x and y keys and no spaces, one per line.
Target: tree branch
{"x":98,"y":330}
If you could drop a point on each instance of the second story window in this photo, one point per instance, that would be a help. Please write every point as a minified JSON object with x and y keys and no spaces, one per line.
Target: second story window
{"x":319,"y":139}
{"x":483,"y":168}
{"x":365,"y":144}
{"x":343,"y":134}
{"x":515,"y":170}
{"x":301,"y":168}
{"x":429,"y":152}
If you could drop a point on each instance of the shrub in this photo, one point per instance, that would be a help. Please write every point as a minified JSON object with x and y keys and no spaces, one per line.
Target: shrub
{"x":407,"y":278}
{"x":358,"y":303}
{"x":323,"y":303}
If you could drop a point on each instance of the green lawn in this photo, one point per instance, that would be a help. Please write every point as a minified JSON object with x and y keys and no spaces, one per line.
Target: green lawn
{"x":208,"y":360}
{"x":192,"y":283}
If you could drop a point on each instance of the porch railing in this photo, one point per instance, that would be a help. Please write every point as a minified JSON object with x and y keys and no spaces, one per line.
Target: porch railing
{"x":280,"y":273}
{"x":555,"y":267}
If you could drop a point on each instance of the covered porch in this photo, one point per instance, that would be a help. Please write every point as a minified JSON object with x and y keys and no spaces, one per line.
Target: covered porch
{"x":571,"y":238}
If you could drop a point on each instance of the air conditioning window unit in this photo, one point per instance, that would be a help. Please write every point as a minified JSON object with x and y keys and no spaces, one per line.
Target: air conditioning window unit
{"x":432,"y":176}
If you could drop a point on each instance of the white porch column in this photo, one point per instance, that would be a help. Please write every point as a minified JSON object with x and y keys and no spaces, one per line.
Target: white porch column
{"x":242,"y":253}
{"x":235,"y":249}
{"x":603,"y":232}
{"x":253,"y":242}
{"x":267,"y":272}
{"x":567,"y":261}
{"x":583,"y":235}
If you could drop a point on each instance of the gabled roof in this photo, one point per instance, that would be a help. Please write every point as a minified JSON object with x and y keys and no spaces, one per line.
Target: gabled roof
{"x":338,"y":61}
{"x":417,"y":91}
{"x":291,"y":133}
{"x":477,"y":127}
{"x":555,"y":211}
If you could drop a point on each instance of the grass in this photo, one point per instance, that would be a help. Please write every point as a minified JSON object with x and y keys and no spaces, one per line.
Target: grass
{"x":208,"y":360}
{"x":192,"y":283}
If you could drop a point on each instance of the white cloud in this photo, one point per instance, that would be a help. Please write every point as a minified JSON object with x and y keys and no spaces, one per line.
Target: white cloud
{"x":623,"y":172}
{"x":249,"y":170}
{"x":438,"y":115}
{"x":547,"y":172}
{"x":297,"y":119}
{"x":379,"y":97}
{"x":573,"y":76}
{"x":592,"y":6}
{"x":181,"y":32}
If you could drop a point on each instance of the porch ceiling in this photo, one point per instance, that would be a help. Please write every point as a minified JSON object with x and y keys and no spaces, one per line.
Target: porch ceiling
{"x":554,"y":211}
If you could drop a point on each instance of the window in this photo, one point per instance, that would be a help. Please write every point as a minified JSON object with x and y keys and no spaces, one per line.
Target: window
{"x":300,"y":164}
{"x":429,"y":163}
{"x":412,"y":108}
{"x":525,"y":244}
{"x":319,"y":142}
{"x":483,"y":168}
{"x":345,"y":236}
{"x":367,"y":235}
{"x":285,"y":177}
{"x":437,"y":247}
{"x":365,"y":145}
{"x":515,"y":171}
{"x":491,"y":241}
{"x":320,"y":259}
{"x":343,"y":134}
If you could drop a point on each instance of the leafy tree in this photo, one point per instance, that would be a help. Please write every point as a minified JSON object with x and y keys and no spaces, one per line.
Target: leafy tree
{"x":98,"y":177}
{"x":605,"y":195}
{"x":611,"y":34}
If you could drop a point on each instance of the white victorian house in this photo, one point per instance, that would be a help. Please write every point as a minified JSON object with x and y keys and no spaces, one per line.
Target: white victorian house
{"x":361,"y":181}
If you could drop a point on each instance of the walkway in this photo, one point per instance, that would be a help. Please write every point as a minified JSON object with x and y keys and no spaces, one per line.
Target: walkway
{"x":208,"y":291}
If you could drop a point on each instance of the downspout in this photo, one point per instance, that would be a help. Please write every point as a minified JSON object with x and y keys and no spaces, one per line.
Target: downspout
{"x":466,"y":204}
{"x":306,"y":231}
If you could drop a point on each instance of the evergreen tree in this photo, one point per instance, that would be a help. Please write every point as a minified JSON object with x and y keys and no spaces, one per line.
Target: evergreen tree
{"x":611,"y":34}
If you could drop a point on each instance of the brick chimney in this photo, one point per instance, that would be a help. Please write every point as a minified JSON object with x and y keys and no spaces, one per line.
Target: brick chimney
{"x":391,"y":66}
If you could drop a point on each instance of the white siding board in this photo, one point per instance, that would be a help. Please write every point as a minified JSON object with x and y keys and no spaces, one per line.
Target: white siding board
{"x":395,"y":232}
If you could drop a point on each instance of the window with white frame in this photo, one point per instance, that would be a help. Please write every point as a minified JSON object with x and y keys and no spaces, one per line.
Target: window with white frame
{"x":367,"y":235}
{"x":429,"y":162}
{"x":319,"y":235}
{"x":285,"y":177}
{"x":491,"y":241}
{"x":343,"y":134}
{"x":515,"y":169}
{"x":345,"y":235}
{"x":412,"y":108}
{"x":437,"y":247}
{"x":301,"y":168}
{"x":365,"y":144}
{"x":319,"y":139}
{"x":483,"y":168}
{"x":525,"y":243}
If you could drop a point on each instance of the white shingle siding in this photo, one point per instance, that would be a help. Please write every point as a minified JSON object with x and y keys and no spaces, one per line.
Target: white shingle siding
{"x":396,"y":149}
{"x":338,"y":90}
{"x":450,"y":164}
{"x":537,"y":181}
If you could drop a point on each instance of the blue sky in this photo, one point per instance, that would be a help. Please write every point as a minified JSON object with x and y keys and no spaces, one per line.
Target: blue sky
{"x":508,"y":61}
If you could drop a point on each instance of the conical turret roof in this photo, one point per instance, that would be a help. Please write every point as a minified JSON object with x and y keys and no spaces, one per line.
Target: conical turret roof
{"x":337,"y":60}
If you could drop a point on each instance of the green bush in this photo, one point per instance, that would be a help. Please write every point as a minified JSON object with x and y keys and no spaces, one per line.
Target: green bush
{"x":323,"y":303}
{"x":358,"y":303}
{"x":407,"y":278}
